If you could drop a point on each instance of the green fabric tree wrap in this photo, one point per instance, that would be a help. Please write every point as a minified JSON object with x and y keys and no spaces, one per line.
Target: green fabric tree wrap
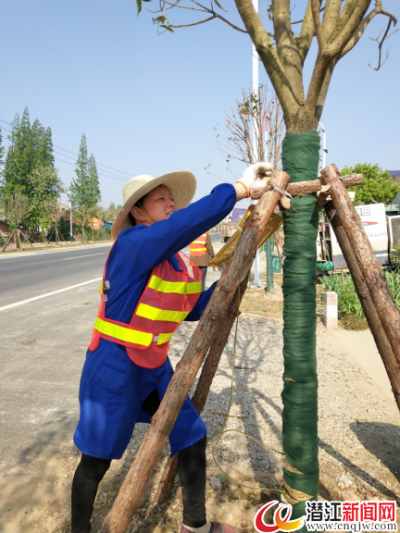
{"x":300,"y":158}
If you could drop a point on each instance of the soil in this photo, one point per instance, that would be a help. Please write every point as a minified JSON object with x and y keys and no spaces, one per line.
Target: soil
{"x":359,"y":449}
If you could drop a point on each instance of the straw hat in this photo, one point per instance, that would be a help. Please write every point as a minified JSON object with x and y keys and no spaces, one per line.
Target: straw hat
{"x":182,"y":185}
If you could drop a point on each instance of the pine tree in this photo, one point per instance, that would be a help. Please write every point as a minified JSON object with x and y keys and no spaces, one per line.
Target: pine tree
{"x":94,"y":185}
{"x":30,"y":153}
{"x":85,"y":189}
{"x":45,"y":149}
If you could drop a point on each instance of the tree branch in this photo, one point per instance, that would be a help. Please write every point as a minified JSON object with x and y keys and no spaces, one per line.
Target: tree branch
{"x":315,"y":5}
{"x":302,"y":20}
{"x":306,"y":35}
{"x":193,"y":23}
{"x":331,"y":15}
{"x":286,"y":46}
{"x":344,"y":17}
{"x":335,"y":48}
{"x":318,"y":78}
{"x":270,"y":58}
{"x":201,"y":9}
{"x":380,"y":43}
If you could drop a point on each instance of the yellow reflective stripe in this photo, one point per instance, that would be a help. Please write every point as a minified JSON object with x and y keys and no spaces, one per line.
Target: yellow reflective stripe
{"x":123,"y":334}
{"x":101,"y":287}
{"x":178,"y":287}
{"x":153,"y":313}
{"x":164,"y":337}
{"x":198,"y":249}
{"x":198,"y":242}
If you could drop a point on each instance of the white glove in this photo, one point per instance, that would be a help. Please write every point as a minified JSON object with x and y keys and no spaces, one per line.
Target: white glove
{"x":257,"y":175}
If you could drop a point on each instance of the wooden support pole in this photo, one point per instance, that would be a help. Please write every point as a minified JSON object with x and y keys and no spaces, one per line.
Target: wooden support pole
{"x":117,"y":520}
{"x":203,"y":385}
{"x":375,"y":324}
{"x":306,"y":187}
{"x":368,"y":263}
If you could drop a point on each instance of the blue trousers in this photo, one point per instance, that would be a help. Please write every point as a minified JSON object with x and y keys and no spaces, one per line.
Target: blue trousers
{"x":112,"y":391}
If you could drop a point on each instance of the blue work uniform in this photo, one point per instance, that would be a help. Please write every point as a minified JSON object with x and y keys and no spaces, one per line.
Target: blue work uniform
{"x":113,"y":388}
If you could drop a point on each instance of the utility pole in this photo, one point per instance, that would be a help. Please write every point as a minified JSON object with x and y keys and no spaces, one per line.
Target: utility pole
{"x":70,"y":221}
{"x":256,"y":280}
{"x":269,"y":244}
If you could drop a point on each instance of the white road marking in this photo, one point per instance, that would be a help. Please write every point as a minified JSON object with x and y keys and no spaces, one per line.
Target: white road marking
{"x":79,"y":256}
{"x":23,"y":302}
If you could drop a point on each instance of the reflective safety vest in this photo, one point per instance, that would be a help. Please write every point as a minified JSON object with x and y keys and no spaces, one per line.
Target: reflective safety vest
{"x":168,"y":298}
{"x":198,"y":247}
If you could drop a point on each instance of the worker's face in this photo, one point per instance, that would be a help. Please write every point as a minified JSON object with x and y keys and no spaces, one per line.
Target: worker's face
{"x":158,"y":205}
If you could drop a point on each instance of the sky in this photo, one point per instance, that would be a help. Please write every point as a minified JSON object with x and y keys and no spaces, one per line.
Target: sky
{"x":149,"y":103}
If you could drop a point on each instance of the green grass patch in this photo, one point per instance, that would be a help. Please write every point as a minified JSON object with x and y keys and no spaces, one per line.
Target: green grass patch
{"x":351,"y":313}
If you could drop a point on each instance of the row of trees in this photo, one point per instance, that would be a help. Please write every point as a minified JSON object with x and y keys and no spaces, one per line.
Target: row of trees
{"x":30,"y":187}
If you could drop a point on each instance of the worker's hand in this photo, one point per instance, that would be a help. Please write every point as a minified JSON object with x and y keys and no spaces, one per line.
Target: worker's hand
{"x":257,"y":175}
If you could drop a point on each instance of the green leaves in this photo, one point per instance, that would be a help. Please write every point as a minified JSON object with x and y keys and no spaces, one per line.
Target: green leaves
{"x":377,"y":184}
{"x":139,"y":5}
{"x":219,"y":5}
{"x":167,"y":28}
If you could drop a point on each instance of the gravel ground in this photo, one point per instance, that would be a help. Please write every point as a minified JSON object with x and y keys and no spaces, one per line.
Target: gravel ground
{"x":359,"y":431}
{"x":358,"y":428}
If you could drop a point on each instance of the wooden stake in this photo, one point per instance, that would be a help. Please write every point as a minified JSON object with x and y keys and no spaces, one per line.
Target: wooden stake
{"x":203,"y":386}
{"x":377,"y":330}
{"x":306,"y":187}
{"x":368,"y":263}
{"x":117,"y":520}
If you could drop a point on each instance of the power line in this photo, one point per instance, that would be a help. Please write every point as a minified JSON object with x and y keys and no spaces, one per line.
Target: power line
{"x":73,"y":153}
{"x":73,"y":164}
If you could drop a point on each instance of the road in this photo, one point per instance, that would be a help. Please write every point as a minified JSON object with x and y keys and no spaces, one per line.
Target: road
{"x":31,"y":274}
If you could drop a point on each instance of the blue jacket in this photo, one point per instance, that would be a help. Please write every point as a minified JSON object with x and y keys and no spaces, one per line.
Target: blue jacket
{"x":112,"y":387}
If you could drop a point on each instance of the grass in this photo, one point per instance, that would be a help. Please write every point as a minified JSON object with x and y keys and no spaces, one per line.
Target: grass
{"x":351,"y":313}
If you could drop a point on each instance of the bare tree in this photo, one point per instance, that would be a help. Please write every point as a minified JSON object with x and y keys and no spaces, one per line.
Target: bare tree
{"x":16,"y":208}
{"x":52,"y":211}
{"x":267,"y":115}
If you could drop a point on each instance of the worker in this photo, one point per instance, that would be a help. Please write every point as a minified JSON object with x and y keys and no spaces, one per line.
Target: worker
{"x":202,"y":253}
{"x":148,"y":288}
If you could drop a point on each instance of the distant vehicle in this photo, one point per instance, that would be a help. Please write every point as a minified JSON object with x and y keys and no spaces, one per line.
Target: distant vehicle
{"x":382,"y":227}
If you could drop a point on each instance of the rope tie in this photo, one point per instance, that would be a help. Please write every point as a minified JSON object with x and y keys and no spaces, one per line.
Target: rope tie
{"x":281,"y":191}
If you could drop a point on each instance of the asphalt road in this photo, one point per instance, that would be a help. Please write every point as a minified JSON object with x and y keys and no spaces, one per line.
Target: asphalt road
{"x":31,"y":274}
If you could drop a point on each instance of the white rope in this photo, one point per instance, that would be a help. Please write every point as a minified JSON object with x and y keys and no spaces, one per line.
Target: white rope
{"x":281,"y":191}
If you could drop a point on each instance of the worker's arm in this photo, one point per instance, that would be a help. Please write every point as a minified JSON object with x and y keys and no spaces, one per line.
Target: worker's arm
{"x":144,"y":247}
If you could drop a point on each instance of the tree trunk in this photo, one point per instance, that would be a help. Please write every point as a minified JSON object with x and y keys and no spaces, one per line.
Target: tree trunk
{"x":162,"y":423}
{"x":368,"y":263}
{"x":300,"y":158}
{"x":381,"y":340}
{"x":204,"y":384}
